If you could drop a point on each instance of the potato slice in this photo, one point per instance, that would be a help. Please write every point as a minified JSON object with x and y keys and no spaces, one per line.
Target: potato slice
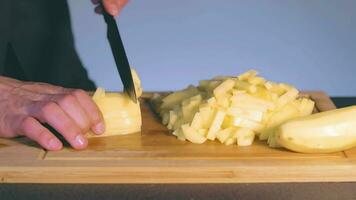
{"x":245,"y":136}
{"x":179,"y":133}
{"x":250,"y":114}
{"x":224,"y":134}
{"x":221,"y":90}
{"x":216,"y":124}
{"x":192,"y":134}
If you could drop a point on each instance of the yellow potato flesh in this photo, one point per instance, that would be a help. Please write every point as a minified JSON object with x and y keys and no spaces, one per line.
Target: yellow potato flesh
{"x":231,"y":109}
{"x":121,"y":115}
{"x":324,"y":132}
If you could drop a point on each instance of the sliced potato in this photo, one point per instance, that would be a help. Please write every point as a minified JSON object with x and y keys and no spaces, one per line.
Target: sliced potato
{"x":121,"y":115}
{"x":192,"y":134}
{"x":216,"y":124}
{"x":231,"y":109}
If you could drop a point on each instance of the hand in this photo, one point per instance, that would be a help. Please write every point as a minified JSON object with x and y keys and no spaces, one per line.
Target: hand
{"x":25,"y":105}
{"x":113,"y":7}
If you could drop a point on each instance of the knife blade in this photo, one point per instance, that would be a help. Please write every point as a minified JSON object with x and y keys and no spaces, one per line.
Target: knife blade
{"x":118,"y":51}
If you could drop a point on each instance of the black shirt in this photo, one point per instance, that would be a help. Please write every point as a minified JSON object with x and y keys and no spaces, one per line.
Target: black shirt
{"x":36,"y":43}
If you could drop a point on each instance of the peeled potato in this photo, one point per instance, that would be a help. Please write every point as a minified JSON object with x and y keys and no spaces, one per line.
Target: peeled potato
{"x":121,"y":115}
{"x":325,"y":132}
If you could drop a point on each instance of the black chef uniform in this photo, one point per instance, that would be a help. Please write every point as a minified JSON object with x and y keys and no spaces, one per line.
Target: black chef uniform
{"x":36,"y":43}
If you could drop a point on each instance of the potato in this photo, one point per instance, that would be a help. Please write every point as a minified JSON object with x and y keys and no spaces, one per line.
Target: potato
{"x":325,"y":132}
{"x":221,"y":90}
{"x":231,"y":109}
{"x":245,"y":136}
{"x":191,"y":134}
{"x":216,"y":124}
{"x":245,"y":113}
{"x":121,"y":115}
{"x":177,"y":97}
{"x":179,"y":133}
{"x":224,"y":134}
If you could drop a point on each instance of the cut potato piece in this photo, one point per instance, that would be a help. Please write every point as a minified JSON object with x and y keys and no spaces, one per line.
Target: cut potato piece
{"x":252,"y":125}
{"x":285,"y":113}
{"x":250,"y":102}
{"x":221,"y":90}
{"x":325,"y":132}
{"x":197,"y":122}
{"x":224,"y":134}
{"x":179,"y":133}
{"x":173,"y":116}
{"x":289,"y":111}
{"x":255,"y":80}
{"x":192,"y":135}
{"x":306,"y":106}
{"x":245,"y":136}
{"x":190,"y":107}
{"x":250,"y":114}
{"x":216,"y":124}
{"x":289,"y":96}
{"x":245,"y":76}
{"x":137,"y":82}
{"x":230,"y":141}
{"x":207,"y":115}
{"x":177,"y":97}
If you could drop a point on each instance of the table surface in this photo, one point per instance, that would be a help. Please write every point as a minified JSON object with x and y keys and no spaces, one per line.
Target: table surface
{"x":186,"y":191}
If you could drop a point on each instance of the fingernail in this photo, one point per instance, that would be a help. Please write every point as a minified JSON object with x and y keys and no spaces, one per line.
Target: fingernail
{"x":80,"y":141}
{"x":99,"y":128}
{"x":54,"y":144}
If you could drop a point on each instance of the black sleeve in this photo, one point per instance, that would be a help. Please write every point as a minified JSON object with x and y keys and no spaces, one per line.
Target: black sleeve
{"x":37,"y":37}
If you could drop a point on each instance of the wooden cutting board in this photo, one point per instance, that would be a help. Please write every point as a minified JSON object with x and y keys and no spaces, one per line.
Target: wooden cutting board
{"x":155,"y":156}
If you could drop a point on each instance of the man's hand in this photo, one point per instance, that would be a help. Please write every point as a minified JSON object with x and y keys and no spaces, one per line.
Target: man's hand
{"x":25,"y":105}
{"x":113,"y":7}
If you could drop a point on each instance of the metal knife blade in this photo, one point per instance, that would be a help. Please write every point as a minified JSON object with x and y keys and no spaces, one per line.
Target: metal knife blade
{"x":118,"y":51}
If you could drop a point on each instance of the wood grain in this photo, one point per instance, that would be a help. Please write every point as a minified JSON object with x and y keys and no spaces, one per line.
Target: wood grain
{"x":155,"y":156}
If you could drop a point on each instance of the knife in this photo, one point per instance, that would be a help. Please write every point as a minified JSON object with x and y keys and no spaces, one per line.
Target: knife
{"x":118,"y":51}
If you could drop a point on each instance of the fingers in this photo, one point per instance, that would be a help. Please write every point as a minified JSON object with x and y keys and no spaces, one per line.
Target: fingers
{"x":113,"y":7}
{"x":31,"y":128}
{"x":72,"y":114}
{"x":82,"y":109}
{"x":76,"y":103}
{"x":92,"y":111}
{"x":70,"y":105}
{"x":53,"y":114}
